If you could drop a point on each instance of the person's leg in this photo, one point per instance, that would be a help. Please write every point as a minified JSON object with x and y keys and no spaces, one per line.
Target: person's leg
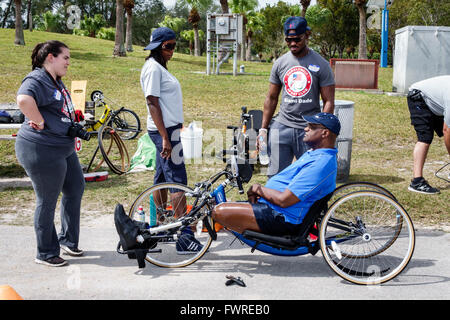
{"x":300,"y":146}
{"x":46,"y":168}
{"x":73,"y":189}
{"x":419,"y":155}
{"x":237,"y":216}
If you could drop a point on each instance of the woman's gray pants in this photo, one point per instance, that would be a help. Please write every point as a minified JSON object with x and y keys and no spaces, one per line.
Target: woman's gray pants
{"x":52,"y":170}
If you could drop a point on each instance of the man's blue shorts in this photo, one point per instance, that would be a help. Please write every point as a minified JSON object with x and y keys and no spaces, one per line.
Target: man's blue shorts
{"x":172,"y":169}
{"x":271,"y":222}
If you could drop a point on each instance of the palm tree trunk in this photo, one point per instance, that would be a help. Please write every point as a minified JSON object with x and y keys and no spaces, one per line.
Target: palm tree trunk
{"x":29,"y":17}
{"x":224,"y":6}
{"x":196,"y":42}
{"x":362,"y":52}
{"x":129,"y":36}
{"x":248,"y":55}
{"x":119,"y":48}
{"x":19,"y":37}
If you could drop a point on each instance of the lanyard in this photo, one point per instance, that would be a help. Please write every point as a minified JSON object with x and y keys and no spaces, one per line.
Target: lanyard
{"x":62,"y":94}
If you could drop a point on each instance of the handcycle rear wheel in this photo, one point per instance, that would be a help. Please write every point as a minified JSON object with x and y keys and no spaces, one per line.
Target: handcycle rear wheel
{"x":127,"y":124}
{"x":367,"y":237}
{"x":113,"y":150}
{"x":167,"y":199}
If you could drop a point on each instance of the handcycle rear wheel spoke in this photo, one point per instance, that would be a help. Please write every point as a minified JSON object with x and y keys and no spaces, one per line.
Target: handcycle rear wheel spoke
{"x":367,"y":237}
{"x":172,"y":201}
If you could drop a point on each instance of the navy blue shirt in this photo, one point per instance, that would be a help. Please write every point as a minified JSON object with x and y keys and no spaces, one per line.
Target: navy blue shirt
{"x":310,"y":178}
{"x":54,"y":103}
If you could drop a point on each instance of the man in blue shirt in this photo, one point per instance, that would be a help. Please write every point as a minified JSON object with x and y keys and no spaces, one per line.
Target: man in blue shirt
{"x":278,"y":208}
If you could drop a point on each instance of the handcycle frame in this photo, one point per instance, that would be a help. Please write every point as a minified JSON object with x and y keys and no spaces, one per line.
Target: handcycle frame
{"x":236,"y":173}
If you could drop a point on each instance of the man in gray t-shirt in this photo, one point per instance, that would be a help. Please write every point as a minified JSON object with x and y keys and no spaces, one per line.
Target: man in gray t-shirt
{"x":302,"y":76}
{"x":429,"y":108}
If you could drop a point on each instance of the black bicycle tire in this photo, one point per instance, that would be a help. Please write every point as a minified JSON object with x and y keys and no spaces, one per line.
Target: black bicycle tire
{"x":136,"y":117}
{"x":120,"y":145}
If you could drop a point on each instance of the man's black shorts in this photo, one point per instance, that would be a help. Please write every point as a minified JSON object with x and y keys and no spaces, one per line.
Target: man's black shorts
{"x":424,"y":121}
{"x":272,"y":222}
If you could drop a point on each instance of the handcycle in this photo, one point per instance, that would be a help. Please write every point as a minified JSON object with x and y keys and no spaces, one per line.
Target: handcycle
{"x":112,"y":128}
{"x":364,"y":234}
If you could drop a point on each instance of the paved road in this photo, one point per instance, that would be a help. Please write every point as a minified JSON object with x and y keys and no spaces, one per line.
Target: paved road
{"x":104,"y":274}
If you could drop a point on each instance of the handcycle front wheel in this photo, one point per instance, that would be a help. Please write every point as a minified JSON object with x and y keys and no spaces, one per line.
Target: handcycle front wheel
{"x":367,"y":237}
{"x":127,"y":124}
{"x":169,"y":202}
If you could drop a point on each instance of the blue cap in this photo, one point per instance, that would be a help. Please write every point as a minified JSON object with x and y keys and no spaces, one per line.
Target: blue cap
{"x":159,"y":35}
{"x":299,"y":24}
{"x":328,"y":120}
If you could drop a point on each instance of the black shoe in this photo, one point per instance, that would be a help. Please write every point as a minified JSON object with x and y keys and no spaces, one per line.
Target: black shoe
{"x":52,"y":262}
{"x":187,"y":244}
{"x":72,"y":251}
{"x":422,"y":186}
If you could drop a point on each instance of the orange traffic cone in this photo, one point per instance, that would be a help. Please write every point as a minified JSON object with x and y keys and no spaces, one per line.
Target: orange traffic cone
{"x":8,"y":293}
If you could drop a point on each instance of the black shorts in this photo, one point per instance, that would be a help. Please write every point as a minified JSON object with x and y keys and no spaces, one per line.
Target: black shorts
{"x":271,"y":222}
{"x":424,"y":121}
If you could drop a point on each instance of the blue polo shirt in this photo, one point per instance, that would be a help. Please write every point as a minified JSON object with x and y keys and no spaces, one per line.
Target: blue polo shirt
{"x":310,"y":178}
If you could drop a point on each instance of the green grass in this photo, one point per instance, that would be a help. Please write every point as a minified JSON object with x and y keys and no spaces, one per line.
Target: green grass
{"x":383,"y":138}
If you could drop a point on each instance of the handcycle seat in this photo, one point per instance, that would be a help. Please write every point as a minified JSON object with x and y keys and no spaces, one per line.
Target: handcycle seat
{"x":292,"y":242}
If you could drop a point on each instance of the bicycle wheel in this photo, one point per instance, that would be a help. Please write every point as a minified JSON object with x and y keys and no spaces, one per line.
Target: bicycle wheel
{"x":113,"y":150}
{"x":358,"y":186}
{"x":367,"y":237}
{"x":176,"y":247}
{"x":127,"y":124}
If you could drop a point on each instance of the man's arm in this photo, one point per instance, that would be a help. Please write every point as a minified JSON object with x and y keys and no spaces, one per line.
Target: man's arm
{"x":270,"y":104}
{"x":282,"y":199}
{"x":327,"y":94}
{"x":447,"y":137}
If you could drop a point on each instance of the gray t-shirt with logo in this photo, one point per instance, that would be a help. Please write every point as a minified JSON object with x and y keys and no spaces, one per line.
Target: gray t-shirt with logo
{"x":53,"y":103}
{"x":301,"y":80}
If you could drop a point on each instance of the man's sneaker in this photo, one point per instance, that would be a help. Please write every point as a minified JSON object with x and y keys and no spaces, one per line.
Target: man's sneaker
{"x":52,"y":262}
{"x":422,"y":186}
{"x":71,"y":251}
{"x":187,"y":244}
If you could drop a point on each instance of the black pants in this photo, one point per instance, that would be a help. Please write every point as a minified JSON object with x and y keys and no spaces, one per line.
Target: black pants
{"x":52,"y":170}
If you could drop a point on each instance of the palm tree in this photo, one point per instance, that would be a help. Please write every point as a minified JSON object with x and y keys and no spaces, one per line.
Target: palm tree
{"x":194,"y":19}
{"x":255,"y":22}
{"x":19,"y":37}
{"x":119,"y":48}
{"x":243,"y":7}
{"x":361,"y":5}
{"x":129,"y":5}
{"x":305,"y":4}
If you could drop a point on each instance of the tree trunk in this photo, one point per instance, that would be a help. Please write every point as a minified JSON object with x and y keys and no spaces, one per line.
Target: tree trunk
{"x":119,"y":48}
{"x":196,"y":42}
{"x":29,"y":17}
{"x":224,"y":6}
{"x":362,"y":51}
{"x":5,"y":16}
{"x":305,"y":4}
{"x":129,"y":36}
{"x":19,"y":38}
{"x":248,"y":56}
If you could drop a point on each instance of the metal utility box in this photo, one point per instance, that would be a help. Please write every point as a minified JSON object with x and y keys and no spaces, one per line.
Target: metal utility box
{"x":420,"y":53}
{"x":224,"y":34}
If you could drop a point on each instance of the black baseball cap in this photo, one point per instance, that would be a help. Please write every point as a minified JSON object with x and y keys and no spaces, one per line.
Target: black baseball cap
{"x":328,"y":120}
{"x":299,"y":24}
{"x":159,"y":35}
